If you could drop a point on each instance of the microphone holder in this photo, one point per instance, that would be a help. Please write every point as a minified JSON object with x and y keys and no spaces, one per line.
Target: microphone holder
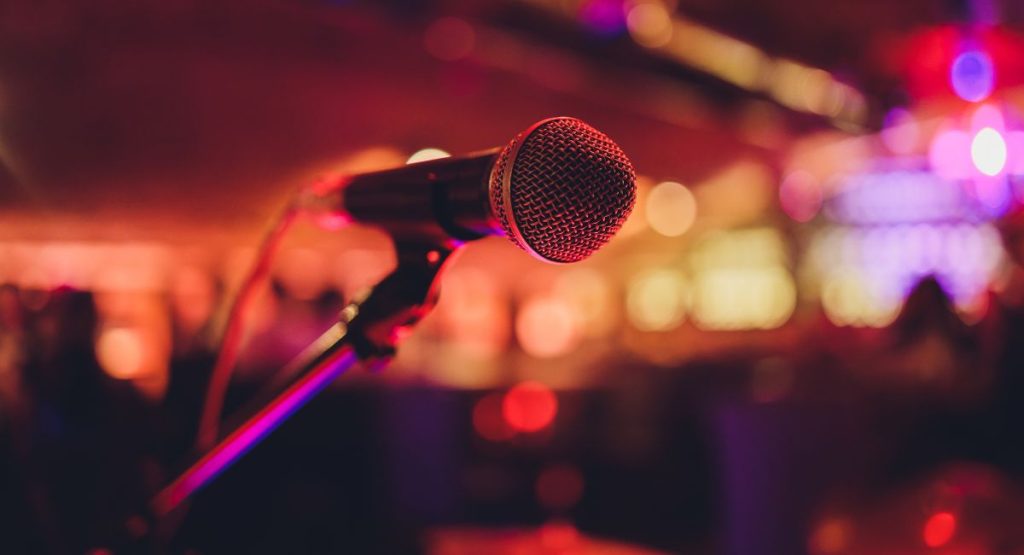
{"x":367,"y":333}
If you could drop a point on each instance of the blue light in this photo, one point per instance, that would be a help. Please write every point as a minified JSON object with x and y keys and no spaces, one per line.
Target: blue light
{"x":972,"y":75}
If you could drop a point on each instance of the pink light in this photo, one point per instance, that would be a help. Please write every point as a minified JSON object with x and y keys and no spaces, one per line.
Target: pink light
{"x":988,"y":116}
{"x":949,"y":154}
{"x":901,"y":133}
{"x":800,"y":196}
{"x":1015,"y":152}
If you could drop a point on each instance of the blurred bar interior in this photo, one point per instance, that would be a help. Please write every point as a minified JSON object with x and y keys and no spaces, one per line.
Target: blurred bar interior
{"x":807,"y":338}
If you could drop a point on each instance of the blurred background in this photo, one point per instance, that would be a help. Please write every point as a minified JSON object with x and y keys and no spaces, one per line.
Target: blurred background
{"x":807,"y":338}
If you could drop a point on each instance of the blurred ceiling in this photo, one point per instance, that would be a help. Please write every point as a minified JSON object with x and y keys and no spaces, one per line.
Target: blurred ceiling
{"x":189,"y":121}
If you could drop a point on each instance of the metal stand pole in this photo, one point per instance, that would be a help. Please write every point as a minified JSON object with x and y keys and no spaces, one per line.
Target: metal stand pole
{"x":367,"y":332}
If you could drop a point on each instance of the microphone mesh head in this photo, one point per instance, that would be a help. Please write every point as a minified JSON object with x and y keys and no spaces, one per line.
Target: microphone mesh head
{"x":562,"y":189}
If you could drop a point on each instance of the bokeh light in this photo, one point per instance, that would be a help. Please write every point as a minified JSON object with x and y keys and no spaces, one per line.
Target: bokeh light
{"x":302,"y":272}
{"x":192,"y":297}
{"x":831,"y":536}
{"x":604,"y":17}
{"x":547,"y":326}
{"x":743,"y":298}
{"x":650,"y":24}
{"x":949,"y":154}
{"x":988,"y":151}
{"x":848,"y":301}
{"x":740,"y":280}
{"x":939,"y":529}
{"x":427,"y":154}
{"x":900,"y":133}
{"x":671,"y":209}
{"x":489,"y":420}
{"x":593,"y":300}
{"x":800,"y":196}
{"x":473,"y":312}
{"x":121,"y":352}
{"x":972,"y":75}
{"x":529,"y":407}
{"x":657,"y":300}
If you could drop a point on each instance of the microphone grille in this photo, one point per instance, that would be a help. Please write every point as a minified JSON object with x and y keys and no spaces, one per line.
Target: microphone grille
{"x":562,"y":189}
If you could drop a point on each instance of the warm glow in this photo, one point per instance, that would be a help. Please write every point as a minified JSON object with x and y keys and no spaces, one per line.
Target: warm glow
{"x":192,"y":297}
{"x":939,"y":529}
{"x":988,"y":151}
{"x":530,"y":407}
{"x":670,"y":209}
{"x":650,"y":24}
{"x":740,"y":281}
{"x":121,"y":352}
{"x":591,"y":296}
{"x":427,"y":154}
{"x":302,"y":272}
{"x":559,"y":537}
{"x":847,"y":301}
{"x":743,"y":298}
{"x":658,"y":300}
{"x":831,"y":536}
{"x":474,"y":312}
{"x":547,"y":326}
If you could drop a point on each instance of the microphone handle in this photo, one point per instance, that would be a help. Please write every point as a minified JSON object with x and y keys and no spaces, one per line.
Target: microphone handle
{"x":444,"y":200}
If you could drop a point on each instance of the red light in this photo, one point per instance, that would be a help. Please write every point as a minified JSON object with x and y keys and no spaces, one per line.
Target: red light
{"x":559,"y":536}
{"x":530,"y":407}
{"x":939,"y":529}
{"x":488,"y":421}
{"x":559,"y":487}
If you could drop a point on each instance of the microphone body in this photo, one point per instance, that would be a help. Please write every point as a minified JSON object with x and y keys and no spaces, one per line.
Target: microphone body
{"x":559,"y":190}
{"x":444,"y":200}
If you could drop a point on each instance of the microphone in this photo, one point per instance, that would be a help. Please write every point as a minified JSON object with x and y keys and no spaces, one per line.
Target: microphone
{"x":559,"y":190}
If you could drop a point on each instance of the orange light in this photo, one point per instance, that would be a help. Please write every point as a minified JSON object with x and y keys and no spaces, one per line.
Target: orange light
{"x":831,"y":536}
{"x":530,"y":407}
{"x":559,"y":487}
{"x":548,"y":326}
{"x":488,"y":421}
{"x":939,"y":529}
{"x":121,"y":352}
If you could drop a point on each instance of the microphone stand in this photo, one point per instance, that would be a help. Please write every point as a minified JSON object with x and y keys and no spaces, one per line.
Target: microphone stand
{"x":367,"y":333}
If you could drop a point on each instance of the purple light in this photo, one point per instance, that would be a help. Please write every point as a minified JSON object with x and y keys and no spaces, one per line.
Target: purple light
{"x":993,"y":193}
{"x":972,"y":75}
{"x":604,"y":17}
